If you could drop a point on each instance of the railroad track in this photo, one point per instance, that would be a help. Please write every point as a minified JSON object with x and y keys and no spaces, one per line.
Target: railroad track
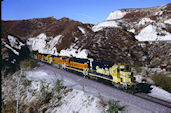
{"x":158,"y":102}
{"x":154,"y":99}
{"x":145,"y":96}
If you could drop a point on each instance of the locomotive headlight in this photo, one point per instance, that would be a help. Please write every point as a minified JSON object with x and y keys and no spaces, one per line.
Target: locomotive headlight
{"x":122,"y":67}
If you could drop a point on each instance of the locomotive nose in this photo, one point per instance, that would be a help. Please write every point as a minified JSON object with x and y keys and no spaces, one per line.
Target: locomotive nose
{"x":144,"y":87}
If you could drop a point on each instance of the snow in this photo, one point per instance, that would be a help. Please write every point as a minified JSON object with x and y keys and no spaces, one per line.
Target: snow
{"x":132,"y":30}
{"x":74,"y":101}
{"x":41,"y":76}
{"x":41,"y":44}
{"x":17,"y":53}
{"x":81,"y":100}
{"x":116,"y":15}
{"x":159,"y":13}
{"x":160,"y":93}
{"x":82,"y":29}
{"x":74,"y":52}
{"x":14,"y":42}
{"x":102,"y":25}
{"x":78,"y":101}
{"x":167,"y":21}
{"x":29,"y":41}
{"x":145,"y":20}
{"x":149,"y":33}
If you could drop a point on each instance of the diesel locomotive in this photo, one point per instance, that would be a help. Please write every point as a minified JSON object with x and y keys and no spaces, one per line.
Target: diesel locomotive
{"x":119,"y":75}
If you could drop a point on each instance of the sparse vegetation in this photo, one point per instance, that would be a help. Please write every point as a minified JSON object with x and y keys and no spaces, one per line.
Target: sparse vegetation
{"x":26,"y":82}
{"x":58,"y":86}
{"x":29,"y":64}
{"x":114,"y":107}
{"x":102,"y":102}
{"x":9,"y":108}
{"x":138,"y":69}
{"x":162,"y":81}
{"x":46,"y":95}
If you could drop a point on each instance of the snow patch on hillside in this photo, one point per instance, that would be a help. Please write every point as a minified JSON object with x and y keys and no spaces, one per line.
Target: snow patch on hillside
{"x":13,"y":50}
{"x":42,"y":45}
{"x":47,"y":45}
{"x":132,"y":30}
{"x":14,"y":42}
{"x":167,"y":21}
{"x":74,"y":53}
{"x":149,"y":33}
{"x":82,"y":29}
{"x":78,"y":102}
{"x":159,"y":13}
{"x":145,"y":20}
{"x":116,"y":15}
{"x":105,"y":24}
{"x":74,"y":101}
{"x":160,"y":93}
{"x":39,"y":43}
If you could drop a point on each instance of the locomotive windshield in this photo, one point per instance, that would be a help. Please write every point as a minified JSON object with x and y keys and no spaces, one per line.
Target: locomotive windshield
{"x":125,"y":68}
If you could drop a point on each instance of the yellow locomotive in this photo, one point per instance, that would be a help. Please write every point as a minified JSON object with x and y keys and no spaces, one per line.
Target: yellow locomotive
{"x":119,"y":75}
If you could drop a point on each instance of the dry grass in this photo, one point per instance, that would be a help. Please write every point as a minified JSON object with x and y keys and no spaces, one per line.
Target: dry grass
{"x":162,"y":81}
{"x":29,"y":64}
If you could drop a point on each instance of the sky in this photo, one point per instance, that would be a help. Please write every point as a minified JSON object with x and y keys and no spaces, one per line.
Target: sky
{"x":86,"y":11}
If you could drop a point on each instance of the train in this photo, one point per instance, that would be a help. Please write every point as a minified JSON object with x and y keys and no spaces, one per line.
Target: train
{"x":118,"y":75}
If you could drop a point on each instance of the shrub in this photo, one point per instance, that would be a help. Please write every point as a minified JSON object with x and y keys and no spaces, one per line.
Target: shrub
{"x":33,"y":63}
{"x":25,"y":64}
{"x":45,"y":94}
{"x":114,"y":107}
{"x":58,"y":86}
{"x":26,"y":83}
{"x":29,"y":64}
{"x":163,"y":81}
{"x":102,"y":102}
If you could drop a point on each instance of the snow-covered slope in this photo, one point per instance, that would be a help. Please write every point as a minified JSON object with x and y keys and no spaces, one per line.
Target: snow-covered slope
{"x":148,"y":24}
{"x":149,"y":33}
{"x":13,"y":44}
{"x":116,"y":15}
{"x":69,"y":100}
{"x":13,"y":51}
{"x":160,"y":93}
{"x":105,"y":24}
{"x":47,"y":45}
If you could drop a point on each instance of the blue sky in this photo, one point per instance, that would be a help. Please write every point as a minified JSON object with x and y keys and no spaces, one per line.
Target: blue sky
{"x":86,"y":11}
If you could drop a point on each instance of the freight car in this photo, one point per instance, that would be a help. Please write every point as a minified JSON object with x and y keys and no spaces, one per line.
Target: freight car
{"x":119,"y":75}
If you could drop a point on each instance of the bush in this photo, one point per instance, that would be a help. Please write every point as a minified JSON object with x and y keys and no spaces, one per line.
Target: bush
{"x":102,"y":102}
{"x":58,"y":86}
{"x":114,"y":107}
{"x":163,"y":81}
{"x":45,"y":94}
{"x":29,"y":64}
{"x":26,"y":83}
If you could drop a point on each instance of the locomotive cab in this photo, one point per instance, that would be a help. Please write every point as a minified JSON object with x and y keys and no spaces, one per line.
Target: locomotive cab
{"x":126,"y":75}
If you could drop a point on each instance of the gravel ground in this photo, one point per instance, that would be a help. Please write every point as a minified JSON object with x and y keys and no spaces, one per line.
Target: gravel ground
{"x":134,"y":104}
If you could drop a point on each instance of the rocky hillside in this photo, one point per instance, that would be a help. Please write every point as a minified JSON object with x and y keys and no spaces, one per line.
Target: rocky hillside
{"x":14,"y":50}
{"x":50,"y":26}
{"x":148,"y":24}
{"x":112,"y":44}
{"x":117,"y":39}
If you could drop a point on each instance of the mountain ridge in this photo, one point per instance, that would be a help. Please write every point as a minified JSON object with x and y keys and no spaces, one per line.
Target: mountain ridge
{"x":113,"y":40}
